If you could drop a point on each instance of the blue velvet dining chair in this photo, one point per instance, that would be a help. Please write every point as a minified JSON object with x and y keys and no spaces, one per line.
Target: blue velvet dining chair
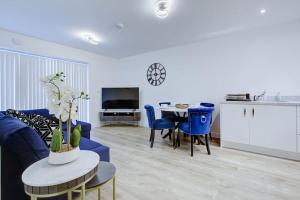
{"x":198,"y":124}
{"x":167,"y":115}
{"x":209,"y":105}
{"x":158,"y":124}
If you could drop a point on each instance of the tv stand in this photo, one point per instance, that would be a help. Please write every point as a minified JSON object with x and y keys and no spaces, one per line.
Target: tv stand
{"x":122,"y":116}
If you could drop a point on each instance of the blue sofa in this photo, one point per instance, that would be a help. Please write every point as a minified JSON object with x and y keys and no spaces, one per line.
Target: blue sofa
{"x":21,"y":146}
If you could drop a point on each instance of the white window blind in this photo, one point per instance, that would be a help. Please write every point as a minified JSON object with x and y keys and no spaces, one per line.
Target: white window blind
{"x":20,"y":85}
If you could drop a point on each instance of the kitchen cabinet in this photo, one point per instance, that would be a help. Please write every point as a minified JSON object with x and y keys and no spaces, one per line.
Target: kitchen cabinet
{"x":273,"y":127}
{"x":235,"y":123}
{"x":261,"y":127}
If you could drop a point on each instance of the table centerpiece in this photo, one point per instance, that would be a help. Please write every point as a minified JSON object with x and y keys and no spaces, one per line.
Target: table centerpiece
{"x":63,"y":103}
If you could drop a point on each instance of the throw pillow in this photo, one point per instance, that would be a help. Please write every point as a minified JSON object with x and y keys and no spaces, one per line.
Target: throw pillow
{"x":43,"y":126}
{"x":19,"y":115}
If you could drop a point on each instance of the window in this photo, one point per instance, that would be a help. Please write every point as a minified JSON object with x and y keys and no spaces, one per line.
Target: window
{"x":20,"y":85}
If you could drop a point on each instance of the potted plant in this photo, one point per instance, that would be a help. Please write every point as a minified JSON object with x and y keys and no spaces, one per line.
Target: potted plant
{"x":63,"y":103}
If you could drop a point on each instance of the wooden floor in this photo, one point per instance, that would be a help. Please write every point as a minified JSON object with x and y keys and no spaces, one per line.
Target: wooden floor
{"x":162,"y":173}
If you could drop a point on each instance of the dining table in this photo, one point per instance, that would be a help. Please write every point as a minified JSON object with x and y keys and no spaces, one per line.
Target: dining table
{"x":180,"y":112}
{"x":173,"y":109}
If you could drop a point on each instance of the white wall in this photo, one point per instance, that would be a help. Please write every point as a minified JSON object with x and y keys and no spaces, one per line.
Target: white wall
{"x":100,"y":66}
{"x":242,"y":62}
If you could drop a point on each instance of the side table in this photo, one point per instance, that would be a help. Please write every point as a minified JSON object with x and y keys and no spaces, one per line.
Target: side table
{"x":43,"y":180}
{"x":106,"y":172}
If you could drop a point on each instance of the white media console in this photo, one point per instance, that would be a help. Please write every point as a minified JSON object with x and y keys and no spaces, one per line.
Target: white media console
{"x":116,"y":116}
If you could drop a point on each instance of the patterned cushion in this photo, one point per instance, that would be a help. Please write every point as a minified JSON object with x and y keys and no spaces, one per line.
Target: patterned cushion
{"x":43,"y":126}
{"x":19,"y":115}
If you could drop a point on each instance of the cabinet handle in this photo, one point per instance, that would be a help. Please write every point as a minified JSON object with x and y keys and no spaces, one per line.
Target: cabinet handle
{"x":245,"y":112}
{"x":253,"y":112}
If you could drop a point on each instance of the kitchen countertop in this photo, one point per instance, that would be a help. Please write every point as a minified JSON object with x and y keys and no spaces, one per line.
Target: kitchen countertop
{"x":278,"y":103}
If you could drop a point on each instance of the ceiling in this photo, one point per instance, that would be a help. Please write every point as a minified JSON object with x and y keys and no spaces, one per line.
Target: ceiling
{"x":62,"y":21}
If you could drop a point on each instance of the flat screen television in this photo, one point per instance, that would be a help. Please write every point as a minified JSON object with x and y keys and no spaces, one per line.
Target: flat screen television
{"x":120,"y":98}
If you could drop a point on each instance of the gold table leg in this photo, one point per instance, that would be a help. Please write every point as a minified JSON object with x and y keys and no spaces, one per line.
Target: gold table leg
{"x":69,"y":195}
{"x":83,"y":192}
{"x":99,"y":193}
{"x":114,"y":188}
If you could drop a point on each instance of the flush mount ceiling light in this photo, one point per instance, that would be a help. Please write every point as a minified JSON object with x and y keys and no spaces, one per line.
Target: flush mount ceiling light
{"x":263,"y":11}
{"x":161,"y":8}
{"x":90,"y":38}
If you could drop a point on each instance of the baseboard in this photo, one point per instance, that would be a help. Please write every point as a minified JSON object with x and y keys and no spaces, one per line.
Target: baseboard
{"x":95,"y":125}
{"x":261,"y":150}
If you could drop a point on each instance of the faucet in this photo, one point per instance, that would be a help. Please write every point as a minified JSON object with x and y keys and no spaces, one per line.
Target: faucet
{"x":259,"y":97}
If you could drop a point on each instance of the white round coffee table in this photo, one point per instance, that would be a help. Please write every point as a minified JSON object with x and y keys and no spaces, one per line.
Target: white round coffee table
{"x":43,"y":180}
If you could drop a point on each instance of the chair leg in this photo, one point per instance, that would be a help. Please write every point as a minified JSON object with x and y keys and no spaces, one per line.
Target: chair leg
{"x":162,"y":131}
{"x":169,"y":134}
{"x":192,"y":143}
{"x":150,"y":139}
{"x":197,"y":138}
{"x":178,"y":138}
{"x":207,"y":145}
{"x":174,"y":138}
{"x":153,"y":136}
{"x":210,"y":137}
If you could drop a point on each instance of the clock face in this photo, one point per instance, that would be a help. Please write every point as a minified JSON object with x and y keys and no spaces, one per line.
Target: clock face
{"x":156,"y":74}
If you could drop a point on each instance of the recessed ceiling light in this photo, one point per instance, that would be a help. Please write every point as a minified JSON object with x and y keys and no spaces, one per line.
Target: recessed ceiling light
{"x":90,"y":38}
{"x":161,"y":8}
{"x":263,"y":11}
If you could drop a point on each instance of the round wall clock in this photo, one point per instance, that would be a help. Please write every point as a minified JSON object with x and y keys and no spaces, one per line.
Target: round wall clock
{"x":156,"y":74}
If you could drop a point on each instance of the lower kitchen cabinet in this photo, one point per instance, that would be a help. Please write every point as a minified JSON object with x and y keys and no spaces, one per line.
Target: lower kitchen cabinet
{"x":270,"y":128}
{"x":235,"y":123}
{"x":273,"y":127}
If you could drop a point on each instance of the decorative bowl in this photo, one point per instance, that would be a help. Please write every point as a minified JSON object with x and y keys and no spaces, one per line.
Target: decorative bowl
{"x":182,"y":106}
{"x":59,"y":158}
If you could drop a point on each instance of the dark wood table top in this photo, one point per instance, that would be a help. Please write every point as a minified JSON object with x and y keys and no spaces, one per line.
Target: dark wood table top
{"x":106,"y":171}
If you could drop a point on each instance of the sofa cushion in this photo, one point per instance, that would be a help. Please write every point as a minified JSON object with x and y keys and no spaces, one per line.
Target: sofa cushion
{"x":43,"y":126}
{"x":85,"y":128}
{"x":21,"y":147}
{"x":86,"y":144}
{"x":8,"y":126}
{"x":1,"y":114}
{"x":103,"y":151}
{"x":22,"y":140}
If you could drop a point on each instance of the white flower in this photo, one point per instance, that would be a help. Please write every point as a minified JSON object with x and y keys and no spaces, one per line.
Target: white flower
{"x":62,"y":99}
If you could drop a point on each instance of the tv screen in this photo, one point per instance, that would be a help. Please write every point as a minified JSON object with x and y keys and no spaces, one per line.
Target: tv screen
{"x":120,"y":98}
